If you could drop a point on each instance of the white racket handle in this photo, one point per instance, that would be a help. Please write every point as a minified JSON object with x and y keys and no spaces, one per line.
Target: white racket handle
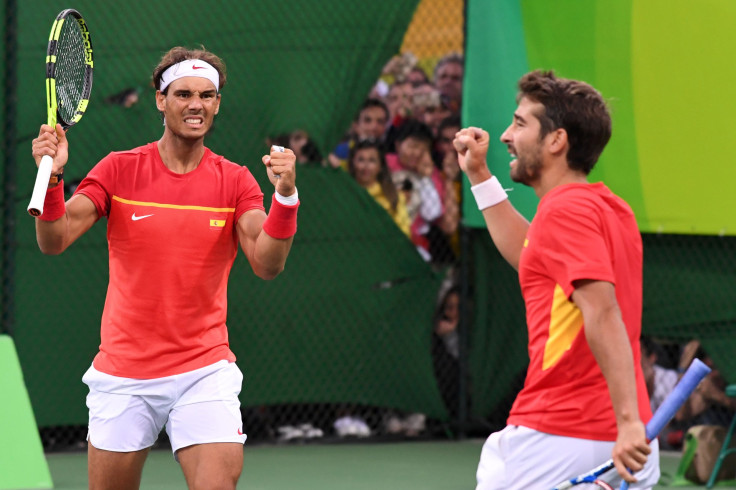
{"x":280,"y":149}
{"x":35,"y":207}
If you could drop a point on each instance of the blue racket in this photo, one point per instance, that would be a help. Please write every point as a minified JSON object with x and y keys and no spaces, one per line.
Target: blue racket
{"x":694,"y":375}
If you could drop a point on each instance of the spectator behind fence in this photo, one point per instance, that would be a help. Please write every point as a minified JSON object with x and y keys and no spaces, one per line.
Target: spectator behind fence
{"x":399,"y":103}
{"x":413,"y":100}
{"x":413,"y":173}
{"x":369,"y":125}
{"x":281,"y":139}
{"x":304,"y":148}
{"x":399,"y":67}
{"x":448,"y":78}
{"x":709,"y":404}
{"x":417,"y":76}
{"x":443,"y":142}
{"x":429,"y":107}
{"x":367,"y":165}
{"x":446,"y":347}
{"x":424,"y":95}
{"x":659,"y":380}
{"x":446,"y":155}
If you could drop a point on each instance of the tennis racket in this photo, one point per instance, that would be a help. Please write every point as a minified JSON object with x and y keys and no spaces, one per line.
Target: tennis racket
{"x":694,"y":374}
{"x":68,"y":86}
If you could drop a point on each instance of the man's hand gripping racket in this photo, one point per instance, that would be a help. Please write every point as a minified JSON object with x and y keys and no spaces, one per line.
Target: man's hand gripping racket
{"x":68,"y":86}
{"x":695,"y":373}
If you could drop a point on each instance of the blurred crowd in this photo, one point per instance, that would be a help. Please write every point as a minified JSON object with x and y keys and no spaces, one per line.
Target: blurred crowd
{"x":399,"y":149}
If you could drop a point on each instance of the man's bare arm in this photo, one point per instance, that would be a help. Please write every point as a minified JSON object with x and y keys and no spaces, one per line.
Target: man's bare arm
{"x":608,"y":339}
{"x":54,"y":237}
{"x":506,"y":225}
{"x":266,"y":255}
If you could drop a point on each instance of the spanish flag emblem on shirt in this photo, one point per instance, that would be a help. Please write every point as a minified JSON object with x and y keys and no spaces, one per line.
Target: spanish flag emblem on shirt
{"x":217,"y":223}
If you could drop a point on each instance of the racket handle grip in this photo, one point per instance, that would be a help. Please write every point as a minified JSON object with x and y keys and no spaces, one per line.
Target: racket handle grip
{"x":279,"y":149}
{"x":694,"y":375}
{"x":35,"y":207}
{"x":690,"y":380}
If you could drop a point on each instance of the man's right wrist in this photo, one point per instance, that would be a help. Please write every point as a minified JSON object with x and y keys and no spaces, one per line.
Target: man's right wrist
{"x":54,"y":206}
{"x":480,"y":177}
{"x":488,"y":193}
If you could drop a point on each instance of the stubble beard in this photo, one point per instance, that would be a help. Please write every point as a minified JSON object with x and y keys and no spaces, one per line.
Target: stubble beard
{"x":527,"y":169}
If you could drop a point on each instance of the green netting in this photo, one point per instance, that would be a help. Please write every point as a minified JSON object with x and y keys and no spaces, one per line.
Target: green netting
{"x":689,"y":291}
{"x":350,"y":320}
{"x":346,"y":322}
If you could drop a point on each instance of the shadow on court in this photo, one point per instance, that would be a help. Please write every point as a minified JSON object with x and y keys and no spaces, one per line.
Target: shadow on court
{"x":446,"y":465}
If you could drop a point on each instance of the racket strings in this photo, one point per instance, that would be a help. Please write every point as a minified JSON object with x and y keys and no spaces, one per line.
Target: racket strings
{"x":70,"y":69}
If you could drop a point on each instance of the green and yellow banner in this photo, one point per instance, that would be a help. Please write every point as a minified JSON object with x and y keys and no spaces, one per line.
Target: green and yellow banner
{"x":666,"y":68}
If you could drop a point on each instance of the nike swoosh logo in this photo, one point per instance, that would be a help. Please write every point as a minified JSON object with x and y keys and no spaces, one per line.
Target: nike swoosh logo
{"x":136,"y":218}
{"x":195,"y":67}
{"x":240,"y":432}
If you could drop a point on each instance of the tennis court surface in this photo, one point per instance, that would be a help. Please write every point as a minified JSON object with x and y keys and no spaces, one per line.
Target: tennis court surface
{"x":445,"y":465}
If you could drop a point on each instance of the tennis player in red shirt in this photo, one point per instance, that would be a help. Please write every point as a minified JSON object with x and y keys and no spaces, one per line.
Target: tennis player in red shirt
{"x":176,"y":215}
{"x":584,"y":399}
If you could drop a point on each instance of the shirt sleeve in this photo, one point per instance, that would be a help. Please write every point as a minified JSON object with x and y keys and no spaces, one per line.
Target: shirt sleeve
{"x":574,"y":244}
{"x":98,"y":185}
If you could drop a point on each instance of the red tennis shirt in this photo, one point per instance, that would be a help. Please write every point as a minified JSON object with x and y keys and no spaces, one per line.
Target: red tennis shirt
{"x":172,"y":242}
{"x":580,"y":231}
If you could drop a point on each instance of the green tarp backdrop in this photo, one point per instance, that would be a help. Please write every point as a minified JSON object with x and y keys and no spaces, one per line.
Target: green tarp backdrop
{"x":348,"y":320}
{"x":662,"y":66}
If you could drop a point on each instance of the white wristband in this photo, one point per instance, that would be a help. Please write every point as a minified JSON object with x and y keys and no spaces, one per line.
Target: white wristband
{"x":489,"y":193}
{"x":287,"y":200}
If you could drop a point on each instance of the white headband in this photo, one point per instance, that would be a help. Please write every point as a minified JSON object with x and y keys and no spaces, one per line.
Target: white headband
{"x":190,"y":68}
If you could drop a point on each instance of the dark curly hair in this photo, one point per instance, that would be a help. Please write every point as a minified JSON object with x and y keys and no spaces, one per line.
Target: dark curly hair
{"x":574,"y":106}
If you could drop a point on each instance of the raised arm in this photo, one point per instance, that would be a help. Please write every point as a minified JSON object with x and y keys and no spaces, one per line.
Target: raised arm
{"x":61,"y":223}
{"x":506,"y":225}
{"x":266,"y":240}
{"x":266,"y":255}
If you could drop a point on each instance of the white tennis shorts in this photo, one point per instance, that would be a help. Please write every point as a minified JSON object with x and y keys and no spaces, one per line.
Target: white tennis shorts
{"x":518,"y":457}
{"x":197,"y":407}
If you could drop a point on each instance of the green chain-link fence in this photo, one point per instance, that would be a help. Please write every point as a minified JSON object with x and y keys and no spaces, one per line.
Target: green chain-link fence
{"x":349,"y":329}
{"x":346,"y":330}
